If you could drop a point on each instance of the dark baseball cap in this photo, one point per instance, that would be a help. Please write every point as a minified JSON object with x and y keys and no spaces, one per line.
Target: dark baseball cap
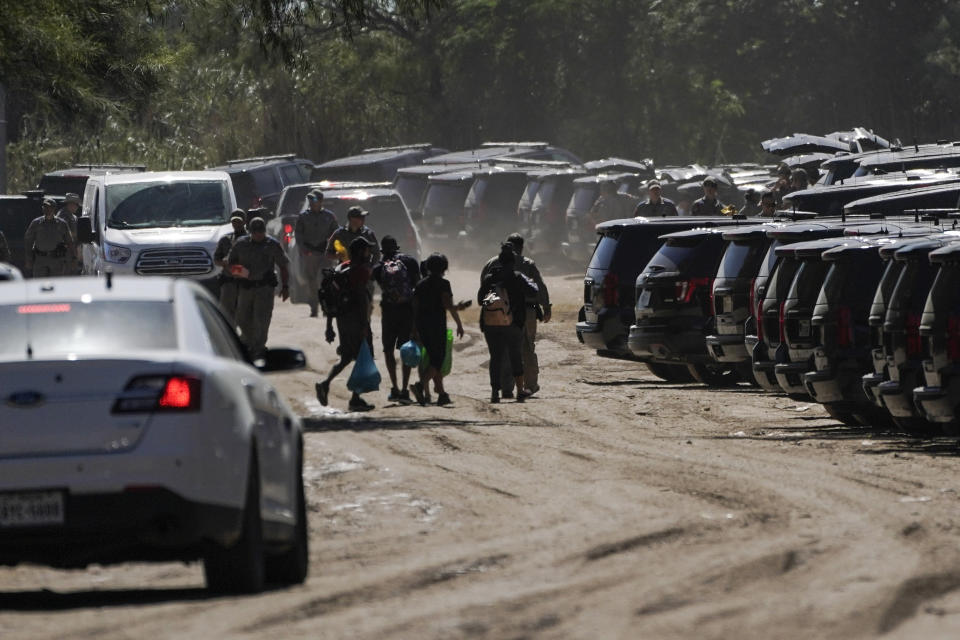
{"x":654,"y":184}
{"x":356,"y":212}
{"x":71,"y":197}
{"x":49,"y":202}
{"x":710,"y":181}
{"x":389,"y":243}
{"x":315,"y":194}
{"x":238,"y":214}
{"x":257,"y":224}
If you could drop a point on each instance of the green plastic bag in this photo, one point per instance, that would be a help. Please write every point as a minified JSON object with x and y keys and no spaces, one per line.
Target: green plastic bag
{"x":447,"y":357}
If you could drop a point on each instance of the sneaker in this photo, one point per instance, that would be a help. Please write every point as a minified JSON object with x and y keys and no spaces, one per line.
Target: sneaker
{"x":495,"y":397}
{"x":507,"y":395}
{"x":323,"y":392}
{"x":533,"y":389}
{"x":405,"y":397}
{"x":359,"y":404}
{"x":523,"y":395}
{"x":394,"y":395}
{"x":443,"y":398}
{"x":417,"y":389}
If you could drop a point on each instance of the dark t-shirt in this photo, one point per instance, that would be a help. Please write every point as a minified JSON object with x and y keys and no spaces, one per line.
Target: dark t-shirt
{"x":413,"y":273}
{"x":429,"y":297}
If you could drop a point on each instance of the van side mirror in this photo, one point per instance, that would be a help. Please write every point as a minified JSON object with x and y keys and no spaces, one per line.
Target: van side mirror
{"x":85,"y":232}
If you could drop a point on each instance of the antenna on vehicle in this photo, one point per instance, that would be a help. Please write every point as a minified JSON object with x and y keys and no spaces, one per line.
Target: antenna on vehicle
{"x":109,"y":274}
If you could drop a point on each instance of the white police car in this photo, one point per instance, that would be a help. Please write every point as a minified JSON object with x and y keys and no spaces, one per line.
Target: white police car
{"x":132,"y":428}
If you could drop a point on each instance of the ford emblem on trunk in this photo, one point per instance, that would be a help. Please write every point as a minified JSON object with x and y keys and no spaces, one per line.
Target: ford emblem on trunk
{"x":25,"y":399}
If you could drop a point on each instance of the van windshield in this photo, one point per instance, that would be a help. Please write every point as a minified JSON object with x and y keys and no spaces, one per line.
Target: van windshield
{"x":181,"y":203}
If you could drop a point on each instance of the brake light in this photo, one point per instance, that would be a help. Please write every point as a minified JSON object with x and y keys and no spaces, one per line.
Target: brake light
{"x":146,"y":394}
{"x":686,"y":288}
{"x":914,"y":342}
{"x":953,"y":338}
{"x":844,"y":327}
{"x":43,"y":308}
{"x":782,"y":321}
{"x":611,"y":290}
{"x":288,"y":228}
{"x":287,"y":233}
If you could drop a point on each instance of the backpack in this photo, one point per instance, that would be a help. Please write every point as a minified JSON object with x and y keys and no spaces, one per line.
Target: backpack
{"x":395,"y":281}
{"x":496,"y":308}
{"x":334,"y":292}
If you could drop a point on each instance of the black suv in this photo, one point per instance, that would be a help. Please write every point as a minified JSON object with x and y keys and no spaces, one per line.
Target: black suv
{"x":542,"y":209}
{"x":257,"y":182}
{"x":902,"y":343}
{"x":57,"y":184}
{"x":762,"y":329}
{"x":412,"y":182}
{"x":16,"y":213}
{"x":939,"y":397}
{"x":674,"y":310}
{"x":733,"y":290}
{"x":442,"y":205}
{"x":374,"y":165}
{"x":500,"y":150}
{"x":622,"y":251}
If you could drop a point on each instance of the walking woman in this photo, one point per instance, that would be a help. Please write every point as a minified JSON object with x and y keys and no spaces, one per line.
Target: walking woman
{"x":502,"y":297}
{"x":432,"y":299}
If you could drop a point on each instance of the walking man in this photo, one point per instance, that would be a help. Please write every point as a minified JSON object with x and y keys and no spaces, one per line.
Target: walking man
{"x":709,"y":204}
{"x":48,"y":243}
{"x":398,"y":275}
{"x":229,"y":284}
{"x":656,"y":205}
{"x":356,"y":228}
{"x":353,"y":318}
{"x":314,"y":227}
{"x":254,"y":260}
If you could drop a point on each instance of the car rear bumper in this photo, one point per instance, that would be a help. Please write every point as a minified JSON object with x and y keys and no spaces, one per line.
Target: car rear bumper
{"x":730,"y":348}
{"x":871,"y":387}
{"x":790,"y":376}
{"x":148,"y":524}
{"x":763,"y":368}
{"x":824,"y":386}
{"x":939,"y":404}
{"x":664,"y":343}
{"x":608,"y":336}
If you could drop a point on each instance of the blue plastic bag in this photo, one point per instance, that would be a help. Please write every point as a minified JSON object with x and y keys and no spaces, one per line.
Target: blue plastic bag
{"x":364,"y":377}
{"x":410,"y":354}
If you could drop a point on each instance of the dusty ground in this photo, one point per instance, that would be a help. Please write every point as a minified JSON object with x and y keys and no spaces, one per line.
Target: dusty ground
{"x":612,"y":505}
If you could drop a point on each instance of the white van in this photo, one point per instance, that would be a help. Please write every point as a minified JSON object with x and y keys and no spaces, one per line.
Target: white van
{"x":155,"y":223}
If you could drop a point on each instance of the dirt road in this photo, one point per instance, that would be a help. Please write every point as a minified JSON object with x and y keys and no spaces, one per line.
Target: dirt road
{"x":612,"y":505}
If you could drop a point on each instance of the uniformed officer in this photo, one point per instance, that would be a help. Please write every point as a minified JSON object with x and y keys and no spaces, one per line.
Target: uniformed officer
{"x":356,"y":228}
{"x":48,"y":243}
{"x":253,"y":260}
{"x":314,"y":227}
{"x":752,"y":203}
{"x":68,"y":213}
{"x":656,"y":205}
{"x":709,"y":204}
{"x":229,"y":286}
{"x":611,"y":205}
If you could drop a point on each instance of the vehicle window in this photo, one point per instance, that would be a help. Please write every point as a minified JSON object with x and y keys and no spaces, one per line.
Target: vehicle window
{"x":943,"y":295}
{"x":265,"y":180}
{"x":445,"y":199}
{"x":222,"y":337}
{"x":388,"y":217}
{"x":503,"y":194}
{"x":411,"y":190}
{"x":769,"y":259}
{"x":913,"y":285}
{"x":584,"y":197}
{"x":603,"y":253}
{"x":294,"y":201}
{"x":545,"y":194}
{"x":676,"y":253}
{"x":741,"y":259}
{"x":244,"y":190}
{"x":139,"y":205}
{"x":62,"y":185}
{"x":290,"y":174}
{"x":889,"y":280}
{"x":529,"y":195}
{"x":93,"y":328}
{"x":475,"y":195}
{"x":782,"y":278}
{"x":808,"y":281}
{"x":304,"y":170}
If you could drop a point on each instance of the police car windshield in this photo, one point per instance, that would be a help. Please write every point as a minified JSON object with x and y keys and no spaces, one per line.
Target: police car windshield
{"x":143,"y":205}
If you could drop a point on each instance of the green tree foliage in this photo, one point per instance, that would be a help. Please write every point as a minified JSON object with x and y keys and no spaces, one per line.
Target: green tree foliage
{"x":185,"y":83}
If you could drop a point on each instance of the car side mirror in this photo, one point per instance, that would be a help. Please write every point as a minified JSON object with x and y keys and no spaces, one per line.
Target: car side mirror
{"x":282,"y":359}
{"x":85,"y":232}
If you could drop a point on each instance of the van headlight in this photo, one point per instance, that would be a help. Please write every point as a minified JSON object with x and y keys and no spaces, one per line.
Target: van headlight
{"x":115,"y":254}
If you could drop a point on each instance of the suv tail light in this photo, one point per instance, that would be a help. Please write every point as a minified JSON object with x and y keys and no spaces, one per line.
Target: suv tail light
{"x":611,"y":290}
{"x":953,"y":338}
{"x":844,"y":327}
{"x":914,"y":343}
{"x":146,"y":394}
{"x":782,"y":321}
{"x":287,"y":233}
{"x":686,"y":288}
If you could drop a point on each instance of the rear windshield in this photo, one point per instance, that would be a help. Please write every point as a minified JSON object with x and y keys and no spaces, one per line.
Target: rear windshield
{"x":913,"y":285}
{"x":529,"y":194}
{"x":294,"y":201}
{"x":770,"y":259}
{"x":943,"y":294}
{"x":140,"y":205}
{"x":62,"y":185}
{"x":584,"y":197}
{"x":94,"y":328}
{"x":677,"y":254}
{"x":809,"y":280}
{"x":852,"y":283}
{"x":603,"y":254}
{"x":889,"y":280}
{"x":741,"y":259}
{"x":445,"y":199}
{"x":387,"y":216}
{"x":411,"y":190}
{"x":475,"y":195}
{"x":545,"y":195}
{"x":782,"y":278}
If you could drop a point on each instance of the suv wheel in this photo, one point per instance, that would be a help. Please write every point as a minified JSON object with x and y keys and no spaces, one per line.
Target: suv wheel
{"x":670,"y":372}
{"x":714,"y":375}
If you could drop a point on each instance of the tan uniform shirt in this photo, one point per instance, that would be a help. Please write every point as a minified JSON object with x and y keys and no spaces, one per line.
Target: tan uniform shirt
{"x":260,"y":258}
{"x":314,"y":228}
{"x":45,"y":235}
{"x":71,"y":221}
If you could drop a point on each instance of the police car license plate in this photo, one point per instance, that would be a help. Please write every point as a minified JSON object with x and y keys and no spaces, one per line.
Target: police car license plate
{"x":804,"y":328}
{"x":644,"y":298}
{"x":31,"y":509}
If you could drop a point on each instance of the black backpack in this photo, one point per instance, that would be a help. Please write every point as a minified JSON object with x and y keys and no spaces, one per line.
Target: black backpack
{"x":334,"y":294}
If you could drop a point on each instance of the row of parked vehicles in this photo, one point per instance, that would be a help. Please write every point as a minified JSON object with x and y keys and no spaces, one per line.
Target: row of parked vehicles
{"x":858,"y":313}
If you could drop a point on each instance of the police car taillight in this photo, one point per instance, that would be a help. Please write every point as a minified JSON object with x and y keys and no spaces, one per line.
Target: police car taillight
{"x":147,"y":394}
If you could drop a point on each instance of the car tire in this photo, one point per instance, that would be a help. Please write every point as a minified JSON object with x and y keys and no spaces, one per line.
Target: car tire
{"x":670,"y":372}
{"x":292,"y":566}
{"x":713,"y":375}
{"x":239,"y":568}
{"x":848,"y":418}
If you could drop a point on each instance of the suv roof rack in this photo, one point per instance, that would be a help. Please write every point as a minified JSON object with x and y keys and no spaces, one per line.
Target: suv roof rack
{"x":526,"y":145}
{"x":530,"y":162}
{"x":110,"y":165}
{"x":282,"y":156}
{"x":419,"y":146}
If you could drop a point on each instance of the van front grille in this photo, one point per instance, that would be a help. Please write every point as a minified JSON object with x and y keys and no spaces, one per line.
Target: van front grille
{"x":176,"y":261}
